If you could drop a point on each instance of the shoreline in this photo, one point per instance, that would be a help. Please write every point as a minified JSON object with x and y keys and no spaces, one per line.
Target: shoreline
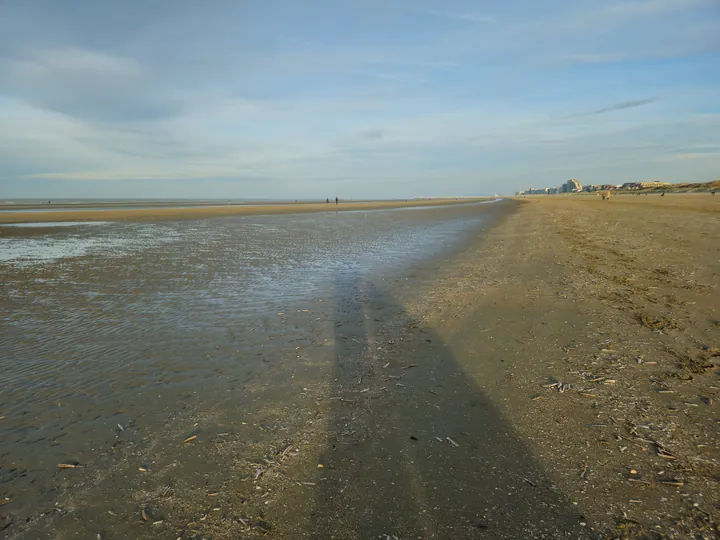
{"x":198,"y":212}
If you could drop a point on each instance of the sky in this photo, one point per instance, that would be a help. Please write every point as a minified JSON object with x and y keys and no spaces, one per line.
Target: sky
{"x":353,"y":98}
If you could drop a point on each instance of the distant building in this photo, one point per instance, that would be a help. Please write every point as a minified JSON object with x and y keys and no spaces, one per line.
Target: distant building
{"x":644,"y":185}
{"x":591,"y":188}
{"x":654,"y":184}
{"x":631,"y":186}
{"x":571,"y":186}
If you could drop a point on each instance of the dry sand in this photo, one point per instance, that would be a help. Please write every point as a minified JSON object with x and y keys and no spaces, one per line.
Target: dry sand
{"x":199,"y":212}
{"x":620,"y":300}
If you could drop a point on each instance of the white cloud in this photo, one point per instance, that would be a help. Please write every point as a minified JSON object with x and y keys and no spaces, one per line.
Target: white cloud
{"x":627,"y":9}
{"x":490,"y":97}
{"x":50,"y":63}
{"x":691,"y":156}
{"x":462,"y":16}
{"x":595,"y":58}
{"x":591,"y":32}
{"x":196,"y":148}
{"x":86,"y":84}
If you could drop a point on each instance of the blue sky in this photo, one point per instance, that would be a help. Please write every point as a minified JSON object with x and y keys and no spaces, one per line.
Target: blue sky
{"x":392,"y":98}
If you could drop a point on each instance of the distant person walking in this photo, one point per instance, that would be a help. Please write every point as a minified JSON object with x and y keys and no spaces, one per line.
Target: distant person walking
{"x":327,"y":201}
{"x":337,"y":201}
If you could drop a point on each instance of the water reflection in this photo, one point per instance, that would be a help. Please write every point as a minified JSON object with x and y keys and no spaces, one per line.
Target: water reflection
{"x":123,"y":324}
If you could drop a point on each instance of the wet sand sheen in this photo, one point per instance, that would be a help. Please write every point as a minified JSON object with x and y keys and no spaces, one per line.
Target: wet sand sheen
{"x":114,"y":358}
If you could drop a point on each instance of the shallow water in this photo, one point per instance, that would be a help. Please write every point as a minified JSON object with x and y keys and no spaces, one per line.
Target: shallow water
{"x":69,"y":240}
{"x":51,"y":224}
{"x":109,"y":333}
{"x":80,"y":208}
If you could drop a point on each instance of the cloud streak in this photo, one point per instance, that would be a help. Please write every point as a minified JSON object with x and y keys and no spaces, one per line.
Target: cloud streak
{"x":467,"y":17}
{"x":629,"y":104}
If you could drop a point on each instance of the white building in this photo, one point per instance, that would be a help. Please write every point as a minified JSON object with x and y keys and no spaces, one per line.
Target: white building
{"x":571,"y":186}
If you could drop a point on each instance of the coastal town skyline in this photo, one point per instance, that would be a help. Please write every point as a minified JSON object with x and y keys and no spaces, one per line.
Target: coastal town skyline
{"x":575,"y":186}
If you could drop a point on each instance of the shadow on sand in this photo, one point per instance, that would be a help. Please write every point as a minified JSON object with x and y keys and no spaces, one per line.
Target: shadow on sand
{"x":420,"y":452}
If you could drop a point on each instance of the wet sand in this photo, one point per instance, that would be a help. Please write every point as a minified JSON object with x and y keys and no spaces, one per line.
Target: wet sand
{"x":156,"y":213}
{"x":127,"y":339}
{"x":380,"y":375}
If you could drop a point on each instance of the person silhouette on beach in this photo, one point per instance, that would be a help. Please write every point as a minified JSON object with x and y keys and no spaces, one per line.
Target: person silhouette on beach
{"x":327,"y":201}
{"x":337,"y":201}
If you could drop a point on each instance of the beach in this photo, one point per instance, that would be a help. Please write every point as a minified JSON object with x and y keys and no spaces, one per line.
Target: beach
{"x":533,"y":368}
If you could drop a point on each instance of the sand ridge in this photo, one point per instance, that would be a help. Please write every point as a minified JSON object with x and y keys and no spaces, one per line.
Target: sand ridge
{"x":199,"y":212}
